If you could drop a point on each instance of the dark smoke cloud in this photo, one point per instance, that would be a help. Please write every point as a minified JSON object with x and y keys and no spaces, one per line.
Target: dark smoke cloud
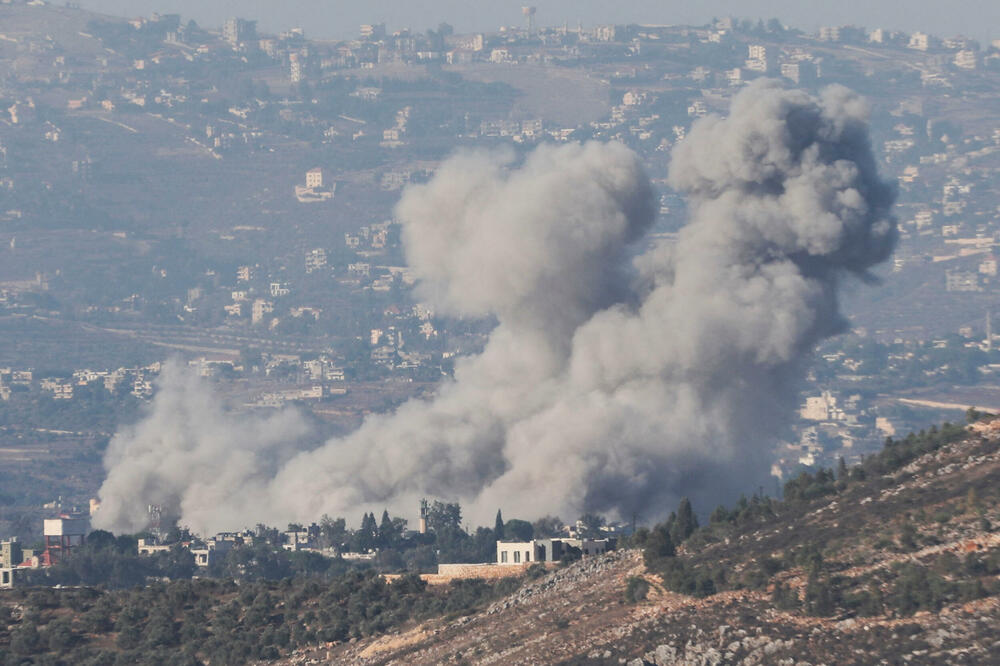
{"x":604,"y":386}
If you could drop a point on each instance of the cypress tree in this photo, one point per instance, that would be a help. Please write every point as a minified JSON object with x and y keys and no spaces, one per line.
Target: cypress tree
{"x":658,"y":545}
{"x":686,"y":522}
{"x":368,"y":532}
{"x":498,"y":526}
{"x":385,"y":529}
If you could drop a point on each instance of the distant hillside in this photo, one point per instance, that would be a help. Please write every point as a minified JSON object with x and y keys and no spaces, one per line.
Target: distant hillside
{"x":898,"y":560}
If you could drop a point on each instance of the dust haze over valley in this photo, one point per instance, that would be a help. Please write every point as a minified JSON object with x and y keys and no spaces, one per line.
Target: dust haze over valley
{"x":603,"y":387}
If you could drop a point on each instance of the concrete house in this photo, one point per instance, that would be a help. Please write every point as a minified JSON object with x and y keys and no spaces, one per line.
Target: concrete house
{"x":548,"y":550}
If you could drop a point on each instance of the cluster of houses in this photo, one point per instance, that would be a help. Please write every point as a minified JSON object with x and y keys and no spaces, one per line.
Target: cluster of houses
{"x":137,"y":380}
{"x":68,"y":531}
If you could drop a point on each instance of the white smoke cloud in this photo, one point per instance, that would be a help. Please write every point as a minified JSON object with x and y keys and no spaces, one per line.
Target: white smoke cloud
{"x":196,"y":459}
{"x":604,"y":387}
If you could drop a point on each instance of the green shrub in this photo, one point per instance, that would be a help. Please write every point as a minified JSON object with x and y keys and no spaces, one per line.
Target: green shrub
{"x":916,"y":588}
{"x":784,"y":597}
{"x":59,"y":635}
{"x":535,"y":571}
{"x":908,"y":538}
{"x":25,"y":640}
{"x":636,"y":590}
{"x":821,"y":597}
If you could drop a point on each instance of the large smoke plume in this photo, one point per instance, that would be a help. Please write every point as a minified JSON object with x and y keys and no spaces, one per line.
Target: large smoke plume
{"x":607,"y":385}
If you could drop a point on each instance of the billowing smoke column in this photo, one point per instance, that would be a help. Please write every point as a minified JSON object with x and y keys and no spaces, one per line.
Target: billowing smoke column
{"x":605,"y":386}
{"x":194,"y":459}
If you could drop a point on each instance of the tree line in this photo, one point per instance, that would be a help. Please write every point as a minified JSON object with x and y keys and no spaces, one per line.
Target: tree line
{"x":219,"y":621}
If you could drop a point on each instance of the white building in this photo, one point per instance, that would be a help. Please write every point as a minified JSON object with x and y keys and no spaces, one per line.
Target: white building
{"x":151,"y":547}
{"x":634,"y":97}
{"x":316,"y":188}
{"x":213,"y":550}
{"x":373,"y":31}
{"x":315,"y":259}
{"x":498,"y":56}
{"x":965,"y":59}
{"x":260,"y":308}
{"x":919,"y":41}
{"x":822,"y":408}
{"x":829,"y":33}
{"x":548,"y":550}
{"x":237,"y":31}
{"x":802,"y":71}
{"x":294,"y":68}
{"x":314,"y":178}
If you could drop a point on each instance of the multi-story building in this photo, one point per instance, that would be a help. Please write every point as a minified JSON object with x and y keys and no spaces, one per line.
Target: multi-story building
{"x":62,"y":534}
{"x":246,"y":273}
{"x":260,"y":308}
{"x":214,"y":550}
{"x":314,"y":178}
{"x":238,"y":31}
{"x":920,"y":41}
{"x":829,"y":33}
{"x":373,"y":31}
{"x":315,"y":259}
{"x":965,"y":59}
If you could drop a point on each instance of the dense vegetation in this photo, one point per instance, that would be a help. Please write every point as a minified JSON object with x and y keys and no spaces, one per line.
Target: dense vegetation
{"x":199,"y":621}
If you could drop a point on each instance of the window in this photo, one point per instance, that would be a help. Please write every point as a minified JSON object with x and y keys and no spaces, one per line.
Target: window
{"x":527,"y":556}
{"x":517,"y":557}
{"x":503,"y":557}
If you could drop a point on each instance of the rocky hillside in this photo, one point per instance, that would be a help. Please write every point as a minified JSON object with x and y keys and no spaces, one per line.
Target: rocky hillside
{"x":895,"y":561}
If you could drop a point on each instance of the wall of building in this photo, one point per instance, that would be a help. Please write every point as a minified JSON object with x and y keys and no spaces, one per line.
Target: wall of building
{"x":547,"y":550}
{"x":515,"y":552}
{"x":449,"y":572}
{"x":11,"y":553}
{"x":487,"y":571}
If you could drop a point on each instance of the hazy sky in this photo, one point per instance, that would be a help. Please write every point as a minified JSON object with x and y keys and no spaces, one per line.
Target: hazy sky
{"x":340,"y":18}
